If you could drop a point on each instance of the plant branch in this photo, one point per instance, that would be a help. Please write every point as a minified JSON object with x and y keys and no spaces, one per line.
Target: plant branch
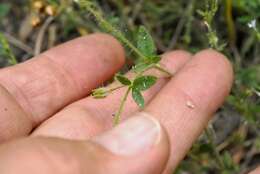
{"x":91,"y":7}
{"x":116,"y":88}
{"x":158,"y":66}
{"x":40,"y":36}
{"x":19,"y":44}
{"x":119,"y":112}
{"x":107,"y":26}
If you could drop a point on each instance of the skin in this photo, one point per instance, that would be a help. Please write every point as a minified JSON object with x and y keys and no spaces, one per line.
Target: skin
{"x":49,"y":124}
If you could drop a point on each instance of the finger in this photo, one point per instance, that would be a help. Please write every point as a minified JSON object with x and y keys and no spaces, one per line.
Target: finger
{"x":186,"y":103}
{"x":133,"y":142}
{"x":47,"y":83}
{"x":13,"y":120}
{"x":89,"y":116}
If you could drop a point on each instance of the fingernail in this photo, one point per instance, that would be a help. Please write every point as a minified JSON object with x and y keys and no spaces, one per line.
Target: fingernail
{"x":137,"y":134}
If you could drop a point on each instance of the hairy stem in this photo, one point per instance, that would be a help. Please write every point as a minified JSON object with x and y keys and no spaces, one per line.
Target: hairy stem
{"x":157,"y":66}
{"x":116,"y":88}
{"x":93,"y":9}
{"x":120,"y":110}
{"x":117,"y":33}
{"x":230,"y":22}
{"x":107,"y":26}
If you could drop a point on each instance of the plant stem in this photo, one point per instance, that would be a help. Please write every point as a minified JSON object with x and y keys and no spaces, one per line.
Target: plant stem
{"x":230,"y":22}
{"x":107,"y":26}
{"x":92,"y":8}
{"x":116,"y":88}
{"x":210,"y":136}
{"x":119,"y":112}
{"x":157,"y":66}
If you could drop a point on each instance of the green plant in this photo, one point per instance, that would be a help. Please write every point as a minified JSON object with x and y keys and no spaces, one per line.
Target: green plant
{"x":173,"y":25}
{"x":6,"y":51}
{"x":145,"y":50}
{"x":253,"y":25}
{"x":208,"y":15}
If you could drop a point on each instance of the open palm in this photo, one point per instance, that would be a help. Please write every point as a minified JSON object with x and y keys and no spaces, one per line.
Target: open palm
{"x":46,"y":101}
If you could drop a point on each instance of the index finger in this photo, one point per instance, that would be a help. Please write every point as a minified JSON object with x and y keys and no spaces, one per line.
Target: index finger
{"x":52,"y":80}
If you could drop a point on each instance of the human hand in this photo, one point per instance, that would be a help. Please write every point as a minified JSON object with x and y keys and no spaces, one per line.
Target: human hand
{"x":45,"y":100}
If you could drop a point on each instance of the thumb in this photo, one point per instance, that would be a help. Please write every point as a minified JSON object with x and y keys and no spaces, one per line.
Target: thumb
{"x":138,"y":145}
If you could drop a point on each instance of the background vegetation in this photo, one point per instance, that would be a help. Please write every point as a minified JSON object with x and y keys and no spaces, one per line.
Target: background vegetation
{"x":232,"y":142}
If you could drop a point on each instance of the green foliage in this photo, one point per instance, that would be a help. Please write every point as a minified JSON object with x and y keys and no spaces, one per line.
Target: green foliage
{"x":4,"y":9}
{"x":141,"y":84}
{"x":144,"y":82}
{"x":253,"y":25}
{"x":245,"y":95}
{"x":250,"y":15}
{"x":140,"y":67}
{"x":146,"y":45}
{"x":138,"y":98}
{"x":6,"y":51}
{"x":123,"y":80}
{"x":250,"y":7}
{"x":210,"y":11}
{"x":208,"y":16}
{"x":145,"y":42}
{"x":168,"y":25}
{"x":145,"y":50}
{"x":229,"y":165}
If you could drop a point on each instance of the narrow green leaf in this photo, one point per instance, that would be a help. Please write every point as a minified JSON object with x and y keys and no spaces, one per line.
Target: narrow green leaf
{"x":138,"y":98}
{"x":123,"y":80}
{"x":145,"y":42}
{"x":144,"y":82}
{"x":140,"y":67}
